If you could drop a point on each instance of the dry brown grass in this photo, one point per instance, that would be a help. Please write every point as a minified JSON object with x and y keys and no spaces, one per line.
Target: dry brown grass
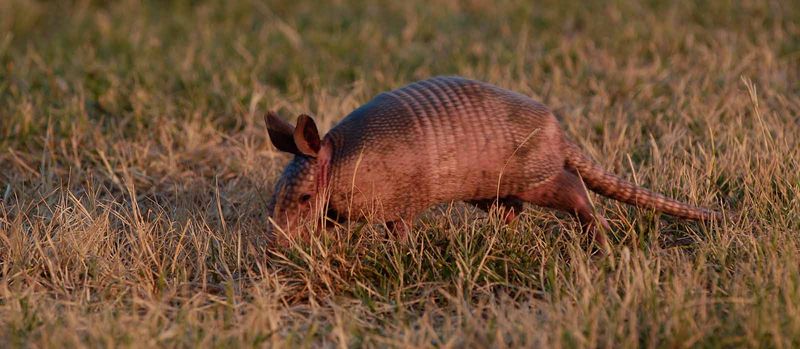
{"x":134,"y":170}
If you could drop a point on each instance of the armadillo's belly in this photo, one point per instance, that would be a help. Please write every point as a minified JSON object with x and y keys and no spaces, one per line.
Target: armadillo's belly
{"x":437,"y":141}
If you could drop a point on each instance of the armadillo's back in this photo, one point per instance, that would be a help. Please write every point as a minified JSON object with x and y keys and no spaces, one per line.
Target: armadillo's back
{"x":445,"y":138}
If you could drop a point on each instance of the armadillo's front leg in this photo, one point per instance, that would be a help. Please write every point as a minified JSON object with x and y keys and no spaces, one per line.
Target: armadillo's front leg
{"x":400,"y":229}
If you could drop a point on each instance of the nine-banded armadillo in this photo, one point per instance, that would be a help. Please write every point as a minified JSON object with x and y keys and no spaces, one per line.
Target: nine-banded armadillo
{"x":440,"y":140}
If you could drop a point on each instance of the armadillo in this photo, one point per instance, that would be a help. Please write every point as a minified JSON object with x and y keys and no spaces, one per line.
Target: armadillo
{"x":441,"y":140}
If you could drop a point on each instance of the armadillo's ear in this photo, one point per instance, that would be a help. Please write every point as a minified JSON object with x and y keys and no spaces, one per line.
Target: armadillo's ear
{"x":280,"y":133}
{"x":306,"y":136}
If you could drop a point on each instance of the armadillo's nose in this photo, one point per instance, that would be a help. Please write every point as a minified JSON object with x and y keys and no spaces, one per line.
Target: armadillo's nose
{"x":270,"y":229}
{"x":276,"y":232}
{"x":274,"y":229}
{"x":272,"y":214}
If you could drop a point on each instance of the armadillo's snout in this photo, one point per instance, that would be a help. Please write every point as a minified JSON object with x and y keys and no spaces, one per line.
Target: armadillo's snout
{"x":276,"y":231}
{"x":274,"y":224}
{"x":280,"y":226}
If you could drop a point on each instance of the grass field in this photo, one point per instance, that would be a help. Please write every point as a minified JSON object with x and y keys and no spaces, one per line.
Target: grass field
{"x":135,"y":169}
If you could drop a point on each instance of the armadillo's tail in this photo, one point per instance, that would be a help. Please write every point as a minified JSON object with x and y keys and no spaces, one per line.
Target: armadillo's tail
{"x":612,"y":186}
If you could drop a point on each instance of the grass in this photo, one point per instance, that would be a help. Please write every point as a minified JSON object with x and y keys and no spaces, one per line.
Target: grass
{"x":135,"y":168}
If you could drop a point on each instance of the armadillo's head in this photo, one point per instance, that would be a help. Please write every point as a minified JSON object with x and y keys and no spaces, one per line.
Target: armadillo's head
{"x":295,"y":197}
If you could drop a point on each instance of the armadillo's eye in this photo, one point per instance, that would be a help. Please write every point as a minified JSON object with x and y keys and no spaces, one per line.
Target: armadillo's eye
{"x":304,"y":198}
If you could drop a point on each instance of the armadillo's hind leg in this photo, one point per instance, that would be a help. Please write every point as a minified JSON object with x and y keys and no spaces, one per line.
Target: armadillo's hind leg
{"x":566,"y":192}
{"x":511,"y":207}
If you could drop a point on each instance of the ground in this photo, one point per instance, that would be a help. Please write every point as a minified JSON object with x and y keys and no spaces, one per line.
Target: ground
{"x":135,"y":169}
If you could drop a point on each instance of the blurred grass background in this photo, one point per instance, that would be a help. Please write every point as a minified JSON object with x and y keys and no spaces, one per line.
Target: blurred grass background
{"x":134,"y":168}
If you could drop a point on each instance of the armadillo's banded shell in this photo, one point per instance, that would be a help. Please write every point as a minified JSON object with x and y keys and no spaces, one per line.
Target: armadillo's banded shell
{"x":441,"y":139}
